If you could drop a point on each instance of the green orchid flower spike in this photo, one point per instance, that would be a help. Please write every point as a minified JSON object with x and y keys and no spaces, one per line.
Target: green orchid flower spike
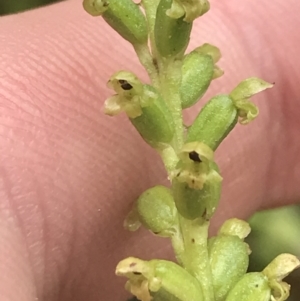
{"x":207,"y":268}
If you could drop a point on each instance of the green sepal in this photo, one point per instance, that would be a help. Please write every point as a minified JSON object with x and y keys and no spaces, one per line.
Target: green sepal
{"x":281,"y":266}
{"x":192,"y":202}
{"x":124,"y":16}
{"x":157,"y":211}
{"x":251,"y":287}
{"x":249,"y":87}
{"x":214,"y":122}
{"x":171,"y":35}
{"x":159,"y":280}
{"x":229,"y":259}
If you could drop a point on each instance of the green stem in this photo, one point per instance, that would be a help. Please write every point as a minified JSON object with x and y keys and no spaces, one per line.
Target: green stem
{"x":178,"y":246}
{"x":144,"y":55}
{"x":196,"y":260}
{"x":170,"y":80}
{"x":150,"y":7}
{"x":169,"y":158}
{"x":190,"y":240}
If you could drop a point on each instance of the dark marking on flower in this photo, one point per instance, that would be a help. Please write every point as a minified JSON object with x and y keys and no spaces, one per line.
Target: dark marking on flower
{"x":137,"y":273}
{"x":204,"y":215}
{"x":155,"y":64}
{"x":194,"y":156}
{"x":132,"y":264}
{"x":125,"y":84}
{"x":193,"y":240}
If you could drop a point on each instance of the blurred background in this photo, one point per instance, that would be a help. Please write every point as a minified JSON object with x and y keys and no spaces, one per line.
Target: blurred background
{"x":273,"y":232}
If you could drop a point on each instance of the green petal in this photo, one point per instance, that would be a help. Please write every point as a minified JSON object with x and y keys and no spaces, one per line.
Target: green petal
{"x":112,"y":106}
{"x":249,"y":87}
{"x":281,"y":266}
{"x":247,"y":111}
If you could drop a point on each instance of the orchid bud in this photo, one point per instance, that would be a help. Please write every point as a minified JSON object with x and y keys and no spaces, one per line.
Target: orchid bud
{"x":229,"y":259}
{"x":251,"y":287}
{"x":198,"y":70}
{"x":214,"y":122}
{"x":157,"y":211}
{"x":124,"y":16}
{"x":171,"y":35}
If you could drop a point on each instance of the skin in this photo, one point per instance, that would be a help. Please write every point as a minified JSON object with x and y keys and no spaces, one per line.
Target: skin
{"x":69,"y":174}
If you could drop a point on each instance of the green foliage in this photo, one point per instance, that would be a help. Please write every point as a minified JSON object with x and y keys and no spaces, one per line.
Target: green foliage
{"x":14,"y":6}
